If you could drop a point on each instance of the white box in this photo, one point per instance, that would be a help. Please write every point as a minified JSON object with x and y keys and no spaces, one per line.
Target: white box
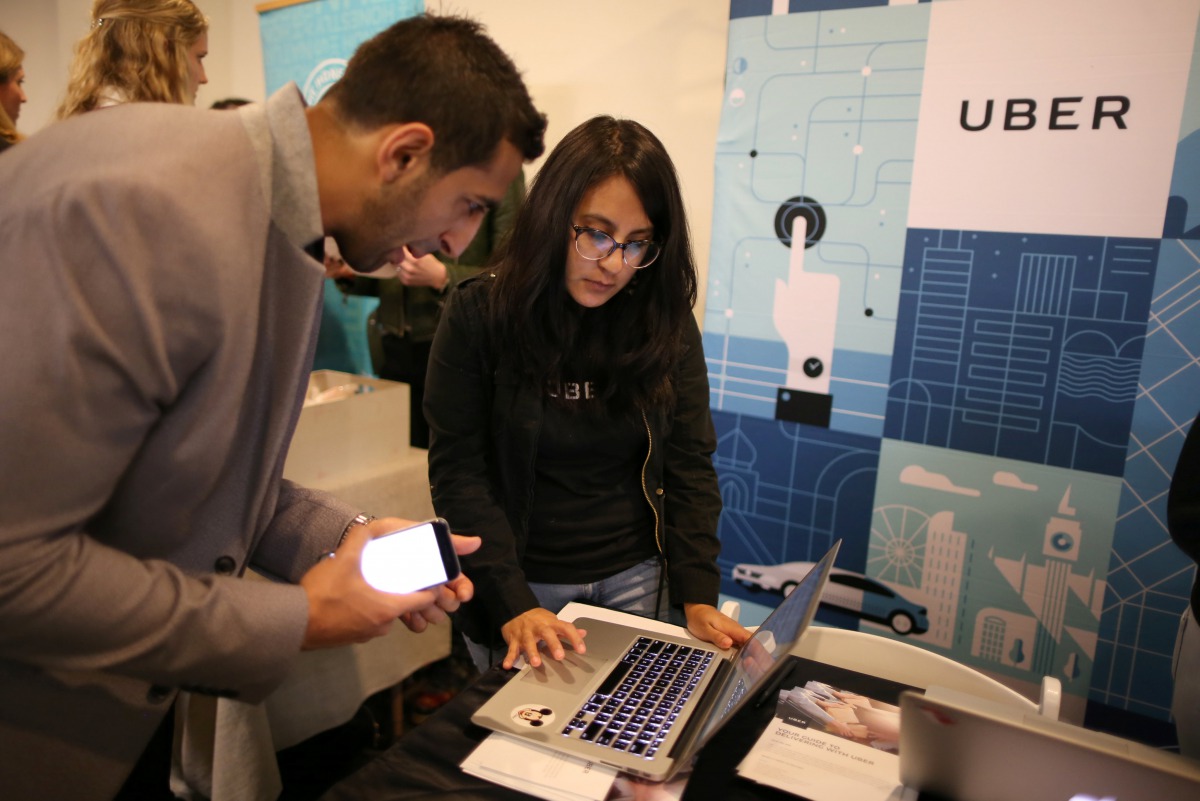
{"x":351,"y":427}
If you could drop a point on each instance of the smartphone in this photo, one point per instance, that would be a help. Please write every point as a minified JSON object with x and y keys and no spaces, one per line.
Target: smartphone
{"x":411,"y":559}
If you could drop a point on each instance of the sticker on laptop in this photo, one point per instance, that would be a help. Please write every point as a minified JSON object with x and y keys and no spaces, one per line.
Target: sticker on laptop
{"x":533,"y":716}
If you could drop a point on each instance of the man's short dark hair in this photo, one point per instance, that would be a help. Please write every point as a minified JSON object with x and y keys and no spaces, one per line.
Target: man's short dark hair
{"x":446,"y":72}
{"x":229,"y":102}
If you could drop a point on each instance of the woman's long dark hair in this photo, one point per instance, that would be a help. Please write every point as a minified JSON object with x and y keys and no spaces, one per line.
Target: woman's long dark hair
{"x":629,"y":345}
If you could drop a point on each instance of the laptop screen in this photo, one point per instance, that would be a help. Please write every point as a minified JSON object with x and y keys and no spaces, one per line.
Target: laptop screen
{"x":760,"y":658}
{"x":959,"y":747}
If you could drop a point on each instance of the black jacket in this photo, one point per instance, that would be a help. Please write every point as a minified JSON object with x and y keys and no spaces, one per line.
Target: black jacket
{"x":1183,"y":504}
{"x":484,"y":426}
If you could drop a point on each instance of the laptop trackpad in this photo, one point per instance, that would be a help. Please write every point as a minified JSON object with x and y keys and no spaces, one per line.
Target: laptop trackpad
{"x":574,"y":670}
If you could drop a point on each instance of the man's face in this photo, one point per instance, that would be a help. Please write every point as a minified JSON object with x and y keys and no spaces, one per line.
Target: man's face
{"x":12,"y":94}
{"x":427,"y":212}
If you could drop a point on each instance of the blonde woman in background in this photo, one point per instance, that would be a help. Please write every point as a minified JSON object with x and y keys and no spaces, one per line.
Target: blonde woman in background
{"x":138,"y":51}
{"x":12,"y":93}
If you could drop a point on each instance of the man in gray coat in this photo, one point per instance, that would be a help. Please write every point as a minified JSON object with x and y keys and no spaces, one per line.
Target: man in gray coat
{"x":159,"y":302}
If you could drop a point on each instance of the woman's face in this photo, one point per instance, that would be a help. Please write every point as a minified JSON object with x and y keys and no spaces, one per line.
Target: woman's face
{"x":12,"y":94}
{"x":195,"y":62}
{"x":611,"y":206}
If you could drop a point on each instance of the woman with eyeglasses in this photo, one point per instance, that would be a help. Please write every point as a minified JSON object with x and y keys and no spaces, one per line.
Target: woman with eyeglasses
{"x":567,"y":400}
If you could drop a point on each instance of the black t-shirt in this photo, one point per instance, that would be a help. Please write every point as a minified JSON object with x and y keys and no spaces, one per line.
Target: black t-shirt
{"x":590,"y":517}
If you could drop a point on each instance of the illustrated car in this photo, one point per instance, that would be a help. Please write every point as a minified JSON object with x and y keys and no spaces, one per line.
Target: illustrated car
{"x":846,"y":590}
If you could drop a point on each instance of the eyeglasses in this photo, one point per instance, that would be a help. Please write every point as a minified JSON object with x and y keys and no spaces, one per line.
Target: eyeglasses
{"x":595,"y":245}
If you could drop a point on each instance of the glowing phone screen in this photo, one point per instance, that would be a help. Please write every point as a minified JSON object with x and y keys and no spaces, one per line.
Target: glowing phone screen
{"x":405,"y":561}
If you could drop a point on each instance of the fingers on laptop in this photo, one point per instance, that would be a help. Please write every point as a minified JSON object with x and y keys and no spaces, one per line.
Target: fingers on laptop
{"x":711,"y":625}
{"x":525,"y":631}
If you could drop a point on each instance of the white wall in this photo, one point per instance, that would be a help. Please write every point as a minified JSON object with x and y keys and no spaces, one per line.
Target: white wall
{"x":47,"y":31}
{"x":660,"y":62}
{"x":35,"y":27}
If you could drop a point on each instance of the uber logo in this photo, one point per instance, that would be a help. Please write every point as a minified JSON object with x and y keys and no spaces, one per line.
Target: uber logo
{"x":1020,"y":121}
{"x":1020,"y":113}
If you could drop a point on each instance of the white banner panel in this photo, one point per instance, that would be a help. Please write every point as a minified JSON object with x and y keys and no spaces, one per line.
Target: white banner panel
{"x":1057,"y":117}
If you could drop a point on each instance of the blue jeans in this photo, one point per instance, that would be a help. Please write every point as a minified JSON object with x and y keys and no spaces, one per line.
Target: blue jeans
{"x":634,"y":590}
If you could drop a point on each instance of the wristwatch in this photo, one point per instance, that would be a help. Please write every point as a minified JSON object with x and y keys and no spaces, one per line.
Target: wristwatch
{"x":359,"y":520}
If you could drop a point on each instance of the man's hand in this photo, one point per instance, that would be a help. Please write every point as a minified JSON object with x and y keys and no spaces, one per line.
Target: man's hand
{"x":425,"y":271}
{"x":526,"y":630}
{"x":344,"y":609}
{"x":450,"y":595}
{"x":709,"y":624}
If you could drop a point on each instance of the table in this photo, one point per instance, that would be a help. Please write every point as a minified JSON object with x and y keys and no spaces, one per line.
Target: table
{"x":424,"y":763}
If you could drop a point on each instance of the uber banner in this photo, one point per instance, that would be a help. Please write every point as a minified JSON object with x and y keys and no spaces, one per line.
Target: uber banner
{"x":951,"y":319}
{"x":1056,"y":118}
{"x":309,"y":42}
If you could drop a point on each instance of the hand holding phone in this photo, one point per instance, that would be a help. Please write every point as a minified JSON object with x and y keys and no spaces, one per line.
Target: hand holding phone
{"x":411,"y":559}
{"x":344,"y":609}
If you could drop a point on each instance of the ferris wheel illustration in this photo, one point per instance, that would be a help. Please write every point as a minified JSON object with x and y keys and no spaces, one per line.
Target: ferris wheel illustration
{"x":897,"y":548}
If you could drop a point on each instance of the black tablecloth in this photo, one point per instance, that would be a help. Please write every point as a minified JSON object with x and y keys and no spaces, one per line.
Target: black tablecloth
{"x":424,"y":763}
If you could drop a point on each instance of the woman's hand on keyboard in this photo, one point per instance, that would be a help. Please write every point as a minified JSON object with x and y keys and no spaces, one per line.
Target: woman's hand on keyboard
{"x":707,"y":623}
{"x":526,"y":630}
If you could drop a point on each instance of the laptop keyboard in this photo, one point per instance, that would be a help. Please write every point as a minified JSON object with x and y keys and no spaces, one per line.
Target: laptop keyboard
{"x":640,"y":700}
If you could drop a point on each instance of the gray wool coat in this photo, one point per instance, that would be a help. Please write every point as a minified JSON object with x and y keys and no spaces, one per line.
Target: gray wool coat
{"x":157,"y":321}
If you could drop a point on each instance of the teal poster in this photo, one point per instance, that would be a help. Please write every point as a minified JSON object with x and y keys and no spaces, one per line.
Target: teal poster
{"x":309,"y":43}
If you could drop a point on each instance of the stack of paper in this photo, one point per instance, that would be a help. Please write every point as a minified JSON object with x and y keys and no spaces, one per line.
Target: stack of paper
{"x":833,"y":737}
{"x":823,"y":767}
{"x":523,"y":766}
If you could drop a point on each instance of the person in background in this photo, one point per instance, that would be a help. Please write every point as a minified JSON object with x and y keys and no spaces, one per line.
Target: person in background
{"x":12,"y":90}
{"x":400,"y":331}
{"x":567,"y":400}
{"x":1183,"y":523}
{"x":156,"y":363}
{"x":138,"y":51}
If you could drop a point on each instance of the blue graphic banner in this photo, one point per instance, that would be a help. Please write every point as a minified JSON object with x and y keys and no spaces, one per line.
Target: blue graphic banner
{"x":951,"y":319}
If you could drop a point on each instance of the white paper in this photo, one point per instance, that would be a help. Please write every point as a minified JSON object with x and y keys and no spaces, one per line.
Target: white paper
{"x":822,"y":767}
{"x":537,"y":771}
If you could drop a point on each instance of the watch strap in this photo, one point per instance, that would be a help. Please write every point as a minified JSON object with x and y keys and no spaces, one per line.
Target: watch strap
{"x":359,"y":520}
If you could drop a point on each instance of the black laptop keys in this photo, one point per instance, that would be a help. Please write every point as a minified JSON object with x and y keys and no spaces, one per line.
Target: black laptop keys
{"x":639,"y":701}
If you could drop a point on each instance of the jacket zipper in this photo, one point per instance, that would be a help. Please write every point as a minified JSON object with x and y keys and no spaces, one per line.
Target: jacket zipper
{"x":646,"y":493}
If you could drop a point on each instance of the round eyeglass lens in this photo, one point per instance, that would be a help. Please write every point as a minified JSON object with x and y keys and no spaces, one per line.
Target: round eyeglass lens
{"x":596,"y":245}
{"x":640,"y":254}
{"x":593,"y":244}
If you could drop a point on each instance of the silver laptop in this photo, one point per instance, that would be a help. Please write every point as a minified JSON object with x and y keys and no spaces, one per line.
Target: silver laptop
{"x":961,"y":748}
{"x":646,"y":703}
